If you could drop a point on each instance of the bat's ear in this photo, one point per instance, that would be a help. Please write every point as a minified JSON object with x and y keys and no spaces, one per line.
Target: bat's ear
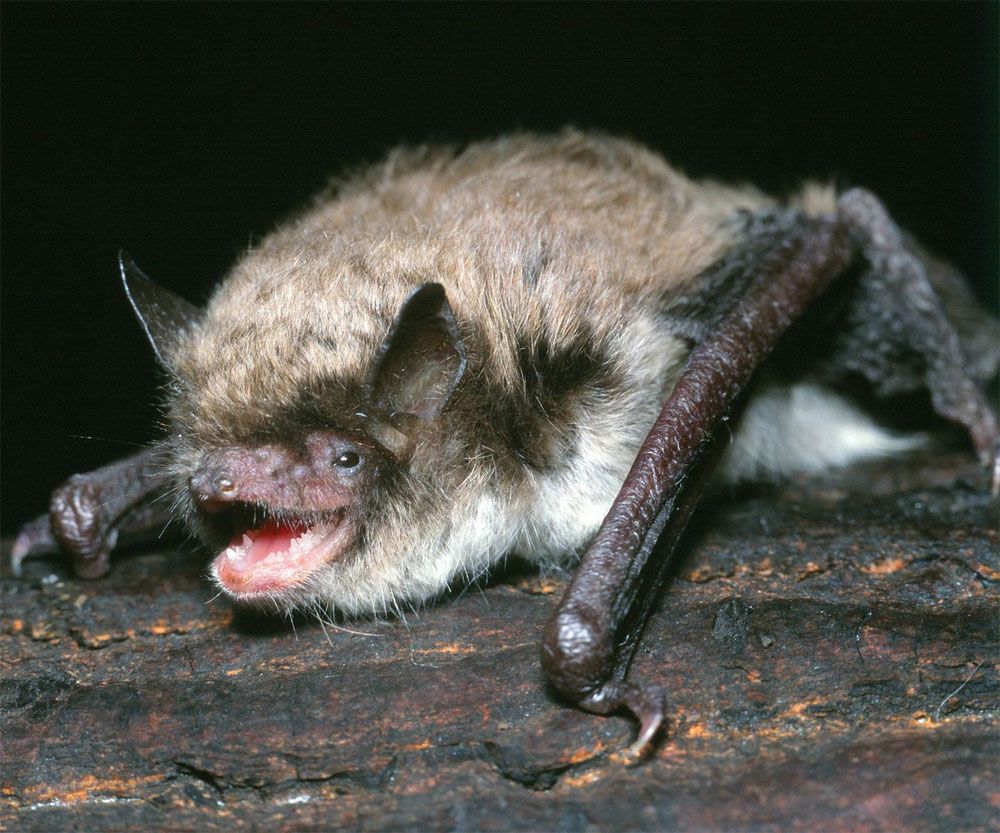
{"x":417,"y":368}
{"x":164,"y":317}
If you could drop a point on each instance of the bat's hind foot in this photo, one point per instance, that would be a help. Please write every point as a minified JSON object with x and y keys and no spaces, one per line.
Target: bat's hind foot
{"x":907,"y":329}
{"x":646,"y":702}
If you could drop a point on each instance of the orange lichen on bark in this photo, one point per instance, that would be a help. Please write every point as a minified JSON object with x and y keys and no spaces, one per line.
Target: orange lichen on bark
{"x":885,"y":567}
{"x":453,"y":648}
{"x":582,"y":779}
{"x":91,"y":787}
{"x":578,"y":756}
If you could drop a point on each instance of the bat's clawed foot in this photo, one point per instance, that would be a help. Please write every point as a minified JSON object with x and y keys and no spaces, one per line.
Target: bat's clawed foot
{"x":646,"y":702}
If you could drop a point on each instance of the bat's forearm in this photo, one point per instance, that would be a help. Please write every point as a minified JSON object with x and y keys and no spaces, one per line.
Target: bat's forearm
{"x":590,"y":640}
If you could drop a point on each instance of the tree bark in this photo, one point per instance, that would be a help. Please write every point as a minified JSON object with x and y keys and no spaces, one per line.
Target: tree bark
{"x":829,"y":649}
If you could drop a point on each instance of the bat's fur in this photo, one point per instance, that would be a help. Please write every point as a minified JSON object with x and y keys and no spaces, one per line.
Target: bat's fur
{"x":566,"y":261}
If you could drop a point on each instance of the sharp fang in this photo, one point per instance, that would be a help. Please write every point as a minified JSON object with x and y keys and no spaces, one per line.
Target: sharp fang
{"x":237,"y":551}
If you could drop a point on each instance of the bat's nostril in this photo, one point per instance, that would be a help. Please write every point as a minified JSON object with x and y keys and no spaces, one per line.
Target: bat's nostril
{"x":212,"y":493}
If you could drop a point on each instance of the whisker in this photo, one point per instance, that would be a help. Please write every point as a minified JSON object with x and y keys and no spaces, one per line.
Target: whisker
{"x":327,"y":635}
{"x":106,"y":440}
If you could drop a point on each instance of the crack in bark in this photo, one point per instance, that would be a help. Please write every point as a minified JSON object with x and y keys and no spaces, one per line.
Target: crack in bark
{"x":512,"y":765}
{"x":199,"y":774}
{"x":225,"y":787}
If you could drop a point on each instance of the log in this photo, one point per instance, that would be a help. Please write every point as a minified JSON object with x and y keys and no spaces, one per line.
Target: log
{"x":829,"y":647}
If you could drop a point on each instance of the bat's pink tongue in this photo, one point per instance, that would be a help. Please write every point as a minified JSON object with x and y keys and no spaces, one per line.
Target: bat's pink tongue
{"x":270,"y":538}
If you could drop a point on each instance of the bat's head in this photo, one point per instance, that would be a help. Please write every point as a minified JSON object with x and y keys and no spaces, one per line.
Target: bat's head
{"x":293,"y":506}
{"x":312,"y":452}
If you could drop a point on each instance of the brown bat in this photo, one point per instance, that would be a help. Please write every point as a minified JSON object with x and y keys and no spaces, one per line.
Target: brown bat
{"x":537,"y":345}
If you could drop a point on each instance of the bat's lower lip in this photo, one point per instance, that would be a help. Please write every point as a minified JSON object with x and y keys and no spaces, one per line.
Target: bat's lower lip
{"x":274,"y":561}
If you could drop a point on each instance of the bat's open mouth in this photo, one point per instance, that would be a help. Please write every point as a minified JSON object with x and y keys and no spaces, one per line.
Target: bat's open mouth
{"x":273,"y":552}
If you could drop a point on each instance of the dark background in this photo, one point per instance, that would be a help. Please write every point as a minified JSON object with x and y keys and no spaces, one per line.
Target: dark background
{"x":180,"y":132}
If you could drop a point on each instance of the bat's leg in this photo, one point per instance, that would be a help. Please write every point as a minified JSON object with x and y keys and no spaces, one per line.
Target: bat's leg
{"x":89,"y":511}
{"x":589,"y":642}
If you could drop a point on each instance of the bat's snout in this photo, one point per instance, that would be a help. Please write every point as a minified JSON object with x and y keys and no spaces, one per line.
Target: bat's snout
{"x":323,"y":474}
{"x":260,"y":474}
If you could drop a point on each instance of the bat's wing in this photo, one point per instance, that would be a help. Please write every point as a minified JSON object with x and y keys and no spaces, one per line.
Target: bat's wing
{"x":89,"y":512}
{"x":909,"y":322}
{"x":978,"y":331}
{"x":902,"y":337}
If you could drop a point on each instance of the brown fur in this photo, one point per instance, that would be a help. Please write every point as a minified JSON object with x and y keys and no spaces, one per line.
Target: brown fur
{"x":568,"y":236}
{"x":560,"y":257}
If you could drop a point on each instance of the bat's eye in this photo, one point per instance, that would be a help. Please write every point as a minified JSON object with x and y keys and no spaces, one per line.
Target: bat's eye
{"x":348,"y":461}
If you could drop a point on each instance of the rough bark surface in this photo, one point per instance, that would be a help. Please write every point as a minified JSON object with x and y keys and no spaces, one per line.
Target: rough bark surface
{"x":814,"y":641}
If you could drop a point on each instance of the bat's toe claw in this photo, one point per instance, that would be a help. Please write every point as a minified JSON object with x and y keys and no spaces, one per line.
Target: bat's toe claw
{"x":649,"y":725}
{"x":647,"y":703}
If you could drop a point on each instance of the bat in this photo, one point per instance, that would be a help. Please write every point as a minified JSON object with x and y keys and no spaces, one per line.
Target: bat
{"x":543,"y":345}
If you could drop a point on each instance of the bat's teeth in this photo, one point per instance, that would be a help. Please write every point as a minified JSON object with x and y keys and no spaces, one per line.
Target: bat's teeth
{"x":304,"y":542}
{"x":237,"y":552}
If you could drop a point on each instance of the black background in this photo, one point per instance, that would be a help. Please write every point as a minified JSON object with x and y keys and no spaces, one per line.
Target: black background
{"x":181,"y":131}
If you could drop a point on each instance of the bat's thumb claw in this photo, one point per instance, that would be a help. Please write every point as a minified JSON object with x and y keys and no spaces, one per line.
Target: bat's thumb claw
{"x":35,"y":537}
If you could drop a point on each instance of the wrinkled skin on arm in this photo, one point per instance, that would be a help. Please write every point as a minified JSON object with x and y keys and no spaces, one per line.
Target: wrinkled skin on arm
{"x":900,"y":338}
